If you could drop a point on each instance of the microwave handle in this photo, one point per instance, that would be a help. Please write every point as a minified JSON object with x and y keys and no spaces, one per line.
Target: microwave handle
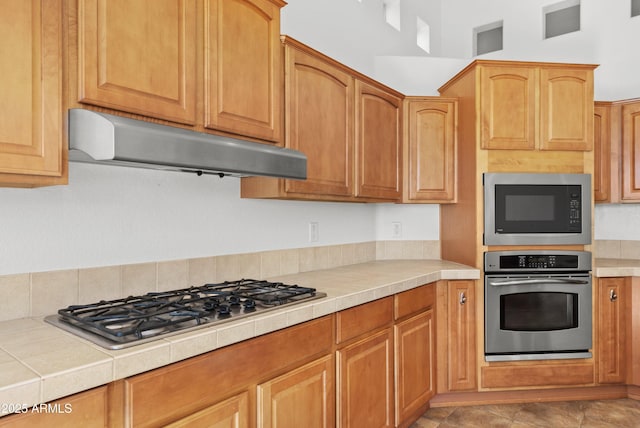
{"x":495,"y":283}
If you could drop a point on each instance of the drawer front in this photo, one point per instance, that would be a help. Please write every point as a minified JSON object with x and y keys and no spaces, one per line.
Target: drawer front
{"x":413,"y":301}
{"x":361,"y":319}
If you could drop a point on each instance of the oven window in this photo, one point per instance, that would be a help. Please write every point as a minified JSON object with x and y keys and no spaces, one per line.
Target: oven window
{"x":538,"y":311}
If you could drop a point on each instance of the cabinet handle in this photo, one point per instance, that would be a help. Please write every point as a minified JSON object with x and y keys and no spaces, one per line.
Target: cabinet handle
{"x":463,"y":298}
{"x":612,"y":295}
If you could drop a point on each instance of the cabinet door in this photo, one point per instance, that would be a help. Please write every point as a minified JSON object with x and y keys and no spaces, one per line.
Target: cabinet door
{"x":415,"y":364}
{"x":304,"y":397}
{"x":508,"y":118}
{"x":566,"y":109}
{"x":602,"y":152}
{"x":139,"y":56}
{"x":320,"y":115}
{"x":87,"y":409}
{"x":631,"y":151}
{"x":612,"y":320}
{"x":243,"y":68}
{"x":378,"y":143}
{"x":231,"y":413}
{"x":430,"y":172}
{"x":365,"y":382}
{"x":461,"y":306}
{"x":31,"y":133}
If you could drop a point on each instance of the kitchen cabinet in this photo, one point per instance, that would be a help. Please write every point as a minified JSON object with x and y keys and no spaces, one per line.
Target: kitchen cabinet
{"x":243,"y":67}
{"x":456,"y":336}
{"x":139,"y":57}
{"x":414,"y":338}
{"x":536,"y":107}
{"x":303,"y":397}
{"x":231,"y":413}
{"x":347,"y":125}
{"x":32,"y":142}
{"x":87,"y":409}
{"x":222,"y":382}
{"x":430,"y":150}
{"x":631,"y":151}
{"x":613,"y":299}
{"x":364,"y":365}
{"x":211,"y":64}
{"x":602,"y":182}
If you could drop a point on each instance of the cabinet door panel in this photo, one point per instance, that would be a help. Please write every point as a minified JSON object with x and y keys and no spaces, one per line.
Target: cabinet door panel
{"x":612,"y":295}
{"x":462,"y":336}
{"x":508,"y":108}
{"x":566,"y":109}
{"x":365,"y":382}
{"x":304,"y":397}
{"x":243,"y":68}
{"x":631,"y":151}
{"x":231,"y":413}
{"x":378,"y":142}
{"x":31,"y":134}
{"x":139,"y":56}
{"x":602,"y":153}
{"x":415,"y":365}
{"x":431,"y":151}
{"x":320,"y":124}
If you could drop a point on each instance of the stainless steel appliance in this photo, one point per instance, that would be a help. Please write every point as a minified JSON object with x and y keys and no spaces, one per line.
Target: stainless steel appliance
{"x":537,"y":209}
{"x":537,"y":305}
{"x":121,"y":323}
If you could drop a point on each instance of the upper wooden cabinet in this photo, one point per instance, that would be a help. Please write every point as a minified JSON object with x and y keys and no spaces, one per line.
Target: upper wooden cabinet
{"x":430,"y":146}
{"x":210,"y":64}
{"x":530,"y":106}
{"x":32,"y":149}
{"x":243,"y":67}
{"x":347,"y":125}
{"x":139,"y":56}
{"x":616,"y":156}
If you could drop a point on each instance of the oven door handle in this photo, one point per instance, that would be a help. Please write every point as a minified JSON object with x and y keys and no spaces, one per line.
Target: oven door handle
{"x":537,"y":281}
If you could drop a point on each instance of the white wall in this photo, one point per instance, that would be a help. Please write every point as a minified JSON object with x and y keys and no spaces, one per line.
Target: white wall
{"x":110,"y":215}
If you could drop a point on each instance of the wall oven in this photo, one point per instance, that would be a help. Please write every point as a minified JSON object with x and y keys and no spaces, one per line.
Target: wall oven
{"x":537,"y":305}
{"x":534,"y":208}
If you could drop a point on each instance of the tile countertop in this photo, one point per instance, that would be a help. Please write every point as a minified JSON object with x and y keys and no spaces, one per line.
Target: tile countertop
{"x":616,"y":267}
{"x":40,"y":362}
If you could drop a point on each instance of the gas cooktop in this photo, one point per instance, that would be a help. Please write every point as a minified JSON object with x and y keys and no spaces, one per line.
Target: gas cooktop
{"x":134,"y":320}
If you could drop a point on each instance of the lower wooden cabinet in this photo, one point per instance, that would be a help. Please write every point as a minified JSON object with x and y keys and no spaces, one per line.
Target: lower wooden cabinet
{"x":456,"y":336}
{"x":612,"y":301}
{"x":231,"y":413}
{"x":365,"y":382}
{"x":87,"y":409}
{"x":304,"y":397}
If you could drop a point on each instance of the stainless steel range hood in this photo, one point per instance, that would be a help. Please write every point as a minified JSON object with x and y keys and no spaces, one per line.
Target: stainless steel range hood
{"x":107,"y":139}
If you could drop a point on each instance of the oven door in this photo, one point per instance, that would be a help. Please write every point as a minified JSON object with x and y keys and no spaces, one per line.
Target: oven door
{"x":537,"y":317}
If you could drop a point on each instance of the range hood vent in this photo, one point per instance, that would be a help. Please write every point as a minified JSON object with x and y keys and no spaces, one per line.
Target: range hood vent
{"x":107,"y":139}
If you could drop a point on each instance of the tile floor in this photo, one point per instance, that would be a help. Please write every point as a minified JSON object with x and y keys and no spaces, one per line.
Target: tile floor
{"x":622,"y":413}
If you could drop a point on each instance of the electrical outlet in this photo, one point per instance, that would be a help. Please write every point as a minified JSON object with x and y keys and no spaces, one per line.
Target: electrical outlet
{"x":314,"y":231}
{"x":396,"y":230}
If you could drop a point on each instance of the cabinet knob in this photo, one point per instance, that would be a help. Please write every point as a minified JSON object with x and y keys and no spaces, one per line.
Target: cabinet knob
{"x":612,"y":295}
{"x":463,"y":298}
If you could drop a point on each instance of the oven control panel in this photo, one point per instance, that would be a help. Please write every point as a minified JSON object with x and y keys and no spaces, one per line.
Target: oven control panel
{"x":543,"y":260}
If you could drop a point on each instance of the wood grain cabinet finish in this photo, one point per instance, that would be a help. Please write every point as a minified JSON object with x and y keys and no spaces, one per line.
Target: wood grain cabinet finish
{"x":243,"y":67}
{"x":231,"y":413}
{"x":32,"y":142}
{"x":347,"y":125}
{"x":89,"y":409}
{"x":139,"y":56}
{"x":602,"y":182}
{"x":613,"y":300}
{"x":631,"y":151}
{"x":304,"y":397}
{"x":430,"y":146}
{"x":378,"y":143}
{"x":456,"y":336}
{"x":414,"y":338}
{"x":536,"y":107}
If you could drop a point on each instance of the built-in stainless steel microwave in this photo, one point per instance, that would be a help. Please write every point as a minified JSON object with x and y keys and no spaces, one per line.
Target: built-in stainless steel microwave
{"x":537,"y":209}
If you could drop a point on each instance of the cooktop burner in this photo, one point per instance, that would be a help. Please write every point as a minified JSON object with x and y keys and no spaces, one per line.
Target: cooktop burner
{"x":120,"y":323}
